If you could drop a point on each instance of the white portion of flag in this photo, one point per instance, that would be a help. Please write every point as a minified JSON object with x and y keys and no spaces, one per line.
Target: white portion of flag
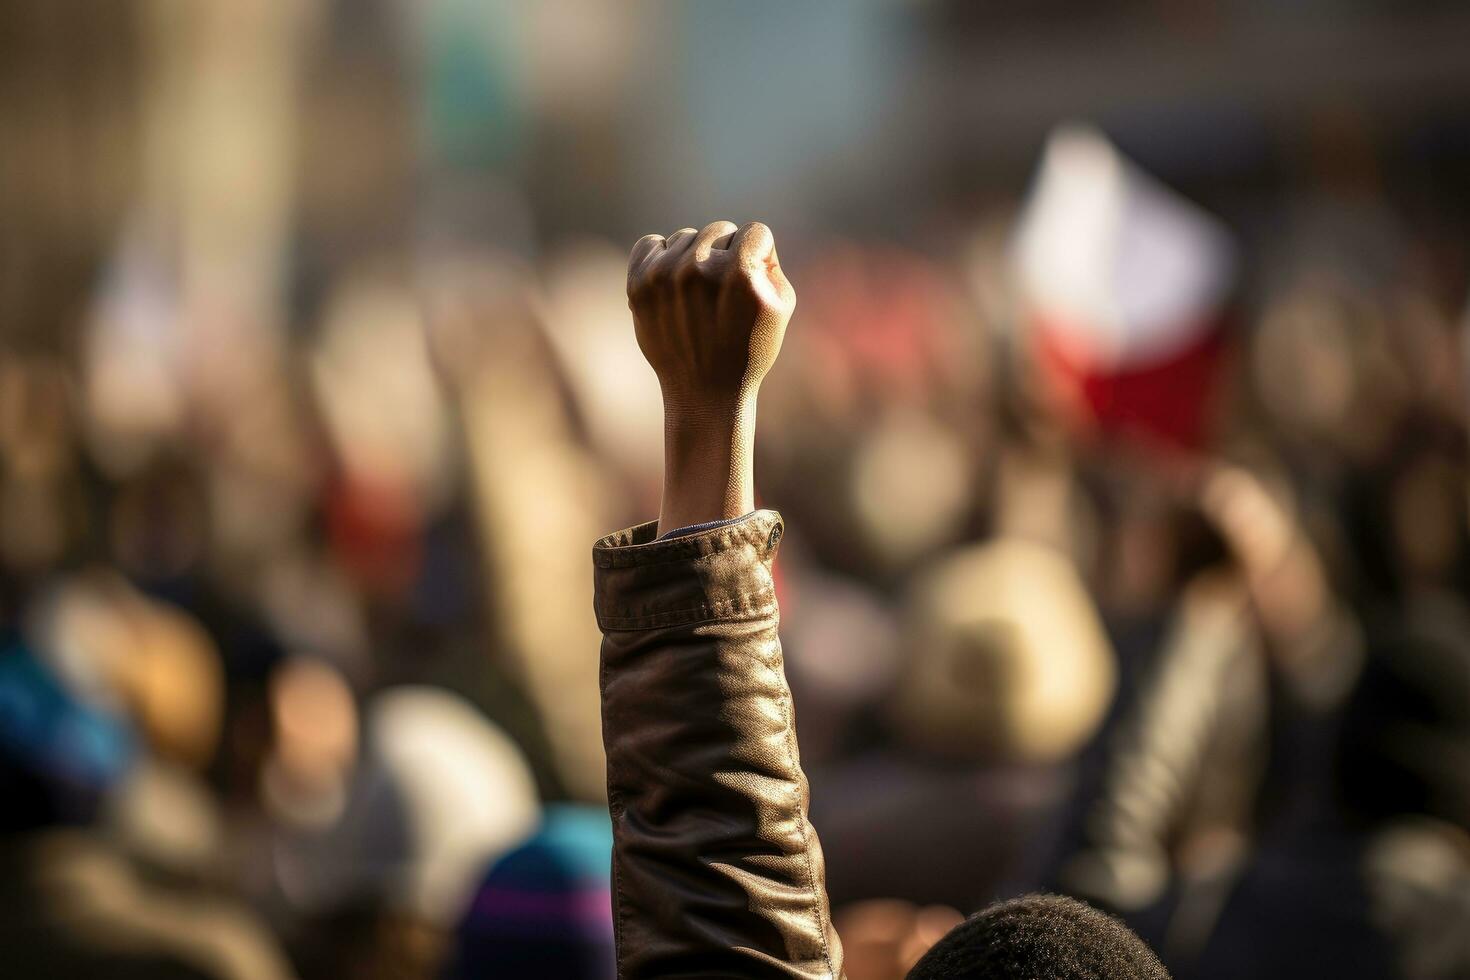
{"x":1124,"y":268}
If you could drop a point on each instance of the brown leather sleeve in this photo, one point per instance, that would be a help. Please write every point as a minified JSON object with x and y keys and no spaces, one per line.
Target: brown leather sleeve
{"x":716,"y":870}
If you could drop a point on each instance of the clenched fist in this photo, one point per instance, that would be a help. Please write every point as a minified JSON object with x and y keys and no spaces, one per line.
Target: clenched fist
{"x":709,"y":310}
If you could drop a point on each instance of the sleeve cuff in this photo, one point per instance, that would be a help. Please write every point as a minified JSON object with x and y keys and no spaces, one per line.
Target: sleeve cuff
{"x":683,"y":532}
{"x":714,"y":574}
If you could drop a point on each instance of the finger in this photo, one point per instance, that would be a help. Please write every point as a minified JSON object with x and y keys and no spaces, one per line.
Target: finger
{"x":753,"y":244}
{"x":643,"y":249}
{"x":677,"y":244}
{"x":717,"y":234}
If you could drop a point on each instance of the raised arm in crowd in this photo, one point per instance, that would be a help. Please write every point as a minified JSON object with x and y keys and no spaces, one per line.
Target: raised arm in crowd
{"x":717,"y":870}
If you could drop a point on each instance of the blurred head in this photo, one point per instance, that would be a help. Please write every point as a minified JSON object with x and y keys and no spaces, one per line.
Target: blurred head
{"x":1040,"y":936}
{"x":59,"y":756}
{"x":315,"y":727}
{"x":436,"y":791}
{"x":116,"y":646}
{"x":1323,"y":367}
{"x":1007,"y":658}
{"x":545,"y":909}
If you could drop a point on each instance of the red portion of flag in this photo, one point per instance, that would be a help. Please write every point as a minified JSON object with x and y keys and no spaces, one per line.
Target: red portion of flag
{"x":1168,"y":402}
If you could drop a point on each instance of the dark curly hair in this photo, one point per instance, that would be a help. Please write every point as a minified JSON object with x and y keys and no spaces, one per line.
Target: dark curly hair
{"x":1040,"y":936}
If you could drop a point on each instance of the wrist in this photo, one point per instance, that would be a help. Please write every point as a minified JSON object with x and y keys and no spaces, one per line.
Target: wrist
{"x":708,"y":452}
{"x":699,"y":404}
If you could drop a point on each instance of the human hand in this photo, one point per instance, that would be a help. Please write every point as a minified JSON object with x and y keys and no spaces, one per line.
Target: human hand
{"x":710,"y":309}
{"x":1283,"y":571}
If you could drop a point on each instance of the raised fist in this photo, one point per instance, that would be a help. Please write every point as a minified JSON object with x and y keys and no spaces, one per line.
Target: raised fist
{"x":710,"y":309}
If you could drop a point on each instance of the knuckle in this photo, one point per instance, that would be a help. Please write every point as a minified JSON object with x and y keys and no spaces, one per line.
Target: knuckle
{"x":758,"y":231}
{"x":712,"y":261}
{"x":688,"y":273}
{"x":655,"y":276}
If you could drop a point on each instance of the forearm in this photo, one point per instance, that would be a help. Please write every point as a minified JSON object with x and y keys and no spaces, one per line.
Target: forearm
{"x":718,"y":870}
{"x":708,"y":468}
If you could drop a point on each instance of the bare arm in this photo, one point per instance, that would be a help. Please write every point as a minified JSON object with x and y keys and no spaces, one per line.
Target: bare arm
{"x":717,"y":869}
{"x":710,"y":309}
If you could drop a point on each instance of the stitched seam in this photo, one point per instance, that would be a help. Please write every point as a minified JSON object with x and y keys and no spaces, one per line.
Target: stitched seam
{"x":678,"y":619}
{"x":637,"y":561}
{"x":640,"y":625}
{"x":616,"y":799}
{"x":803,"y":825}
{"x":690,"y":542}
{"x":619,"y":558}
{"x":723,"y":610}
{"x":615,"y":808}
{"x":744,"y":598}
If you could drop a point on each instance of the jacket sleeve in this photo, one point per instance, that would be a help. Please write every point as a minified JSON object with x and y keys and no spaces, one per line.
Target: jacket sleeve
{"x":716,"y":870}
{"x":1191,"y":743}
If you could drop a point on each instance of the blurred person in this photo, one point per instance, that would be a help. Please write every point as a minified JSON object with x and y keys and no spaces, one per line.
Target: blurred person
{"x":607,"y":376}
{"x":217,"y":434}
{"x":61,"y":753}
{"x":314,"y":748}
{"x":534,"y":490}
{"x":1008,"y":658}
{"x":73,"y":904}
{"x":386,"y":418}
{"x":1040,"y":935}
{"x":1322,"y":370}
{"x":1006,"y":673}
{"x":43,"y":505}
{"x":1231,"y":739}
{"x":545,"y":908}
{"x":381,"y":834}
{"x":1379,"y":888}
{"x":1353,"y":374}
{"x":150,"y":659}
{"x":153,"y":664}
{"x":1184,"y":767}
{"x":1402,"y":780}
{"x":1121,"y":291}
{"x":717,"y":869}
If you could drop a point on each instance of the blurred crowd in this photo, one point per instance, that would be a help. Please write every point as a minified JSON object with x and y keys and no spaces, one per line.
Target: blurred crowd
{"x":304,"y":443}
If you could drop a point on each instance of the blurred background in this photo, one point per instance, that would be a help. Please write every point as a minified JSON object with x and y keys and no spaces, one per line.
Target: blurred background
{"x":1121,"y":432}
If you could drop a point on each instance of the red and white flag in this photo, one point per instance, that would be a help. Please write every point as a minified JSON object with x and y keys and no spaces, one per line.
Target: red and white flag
{"x":1124,"y":284}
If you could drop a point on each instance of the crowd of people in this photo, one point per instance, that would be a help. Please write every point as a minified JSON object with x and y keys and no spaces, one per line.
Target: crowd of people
{"x":295,"y":673}
{"x":299,"y":664}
